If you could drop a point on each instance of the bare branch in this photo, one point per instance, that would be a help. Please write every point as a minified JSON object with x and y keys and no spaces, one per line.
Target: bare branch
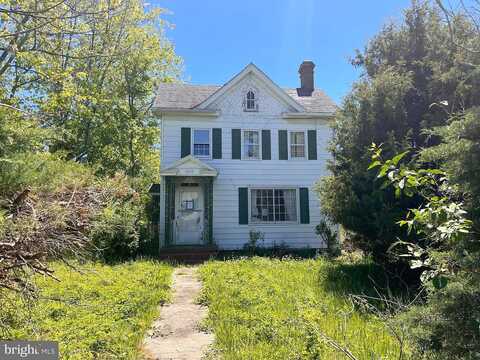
{"x":448,"y":14}
{"x":329,"y":341}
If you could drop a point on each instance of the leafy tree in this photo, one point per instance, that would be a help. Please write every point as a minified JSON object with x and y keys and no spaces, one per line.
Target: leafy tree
{"x":411,"y":70}
{"x":86,"y":70}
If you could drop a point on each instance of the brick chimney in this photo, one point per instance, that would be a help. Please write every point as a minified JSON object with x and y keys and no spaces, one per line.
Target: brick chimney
{"x":306,"y":78}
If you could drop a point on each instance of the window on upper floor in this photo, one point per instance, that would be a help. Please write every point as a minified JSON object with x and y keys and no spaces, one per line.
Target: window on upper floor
{"x":251,"y":144}
{"x":297,"y":144}
{"x":201,"y":143}
{"x":251,"y":103}
{"x":273,"y":205}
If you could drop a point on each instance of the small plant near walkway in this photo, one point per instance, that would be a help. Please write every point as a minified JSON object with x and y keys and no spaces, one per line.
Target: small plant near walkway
{"x":101,"y":313}
{"x":255,"y":237}
{"x":329,"y":237}
{"x":294,"y":309}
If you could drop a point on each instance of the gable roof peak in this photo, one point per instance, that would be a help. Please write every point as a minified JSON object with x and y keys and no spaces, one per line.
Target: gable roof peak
{"x":252,"y":68}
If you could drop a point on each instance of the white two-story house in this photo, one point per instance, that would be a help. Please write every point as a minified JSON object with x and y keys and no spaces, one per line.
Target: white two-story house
{"x":243,"y":156}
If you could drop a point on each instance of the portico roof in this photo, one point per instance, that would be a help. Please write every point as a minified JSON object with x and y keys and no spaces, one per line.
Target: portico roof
{"x":189,"y":166}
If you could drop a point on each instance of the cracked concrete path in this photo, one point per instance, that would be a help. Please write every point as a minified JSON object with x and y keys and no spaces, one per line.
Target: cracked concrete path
{"x":176,"y":334}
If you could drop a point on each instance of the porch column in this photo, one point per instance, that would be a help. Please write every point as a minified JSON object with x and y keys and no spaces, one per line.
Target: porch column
{"x":209,"y":210}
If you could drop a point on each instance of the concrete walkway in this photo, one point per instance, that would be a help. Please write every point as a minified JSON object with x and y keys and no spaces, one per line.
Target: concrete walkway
{"x":176,"y":335}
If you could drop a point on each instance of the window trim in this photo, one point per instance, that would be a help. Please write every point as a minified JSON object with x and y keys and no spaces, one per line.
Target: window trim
{"x":242,"y":145}
{"x":274,"y":223}
{"x":192,"y":150}
{"x":305,"y":145}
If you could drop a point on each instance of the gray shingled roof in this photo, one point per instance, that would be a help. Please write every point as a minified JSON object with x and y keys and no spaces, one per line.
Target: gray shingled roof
{"x":187,"y":96}
{"x":317,"y":102}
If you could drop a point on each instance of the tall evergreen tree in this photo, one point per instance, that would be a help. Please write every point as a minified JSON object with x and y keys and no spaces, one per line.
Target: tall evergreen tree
{"x":412,"y":74}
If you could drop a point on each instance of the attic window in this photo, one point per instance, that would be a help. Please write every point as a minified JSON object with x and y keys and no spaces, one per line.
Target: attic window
{"x":251,"y":101}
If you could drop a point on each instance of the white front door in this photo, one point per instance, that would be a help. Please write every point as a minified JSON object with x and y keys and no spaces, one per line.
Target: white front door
{"x":189,"y":219}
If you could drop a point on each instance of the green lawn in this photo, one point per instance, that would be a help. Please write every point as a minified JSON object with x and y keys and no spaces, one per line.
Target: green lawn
{"x":280,"y":309}
{"x":101,"y":313}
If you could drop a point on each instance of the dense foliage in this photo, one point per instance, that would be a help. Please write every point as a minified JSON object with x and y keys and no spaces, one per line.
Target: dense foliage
{"x":447,"y":249}
{"x":101,"y":313}
{"x":116,"y":229}
{"x":415,"y":199}
{"x":414,"y":77}
{"x":77,"y":138}
{"x":458,"y":154}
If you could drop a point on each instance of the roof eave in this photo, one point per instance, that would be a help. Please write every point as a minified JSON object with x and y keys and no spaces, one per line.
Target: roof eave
{"x":308,"y":115}
{"x":179,"y":173}
{"x":179,"y":112}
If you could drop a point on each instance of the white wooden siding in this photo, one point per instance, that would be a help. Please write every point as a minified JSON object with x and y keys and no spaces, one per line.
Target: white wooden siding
{"x":227,"y":232}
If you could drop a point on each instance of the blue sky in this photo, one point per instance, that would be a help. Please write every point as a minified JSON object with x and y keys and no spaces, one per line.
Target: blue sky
{"x":217,"y":38}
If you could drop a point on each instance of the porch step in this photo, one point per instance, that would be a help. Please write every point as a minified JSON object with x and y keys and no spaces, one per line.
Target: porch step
{"x":188,"y":254}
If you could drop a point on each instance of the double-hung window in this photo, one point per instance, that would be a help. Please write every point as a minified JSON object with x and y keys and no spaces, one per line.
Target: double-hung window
{"x":297,"y":144}
{"x":201,"y":143}
{"x":273,"y":205}
{"x":251,"y":144}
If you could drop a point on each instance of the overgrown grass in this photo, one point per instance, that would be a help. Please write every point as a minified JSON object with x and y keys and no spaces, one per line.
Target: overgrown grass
{"x":101,"y":313}
{"x":283,"y":309}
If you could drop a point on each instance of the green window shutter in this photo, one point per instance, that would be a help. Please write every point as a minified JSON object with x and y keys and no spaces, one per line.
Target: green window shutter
{"x":186,"y":141}
{"x":217,"y":143}
{"x":243,"y":206}
{"x":266,"y":145}
{"x":312,"y":144}
{"x":304,"y":206}
{"x":236,"y":144}
{"x":282,"y":145}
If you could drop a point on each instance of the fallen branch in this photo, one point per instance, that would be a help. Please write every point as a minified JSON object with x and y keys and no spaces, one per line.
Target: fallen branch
{"x":329,"y":341}
{"x":43,"y":226}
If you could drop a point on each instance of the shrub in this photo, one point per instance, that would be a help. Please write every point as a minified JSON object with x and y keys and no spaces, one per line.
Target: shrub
{"x":116,"y":229}
{"x":43,"y":171}
{"x":253,"y":240}
{"x":115,"y":232}
{"x":447,"y":326}
{"x":149,"y":234}
{"x":329,"y":237}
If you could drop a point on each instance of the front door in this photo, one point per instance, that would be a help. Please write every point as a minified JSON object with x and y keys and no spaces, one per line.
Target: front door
{"x":189,"y":216}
